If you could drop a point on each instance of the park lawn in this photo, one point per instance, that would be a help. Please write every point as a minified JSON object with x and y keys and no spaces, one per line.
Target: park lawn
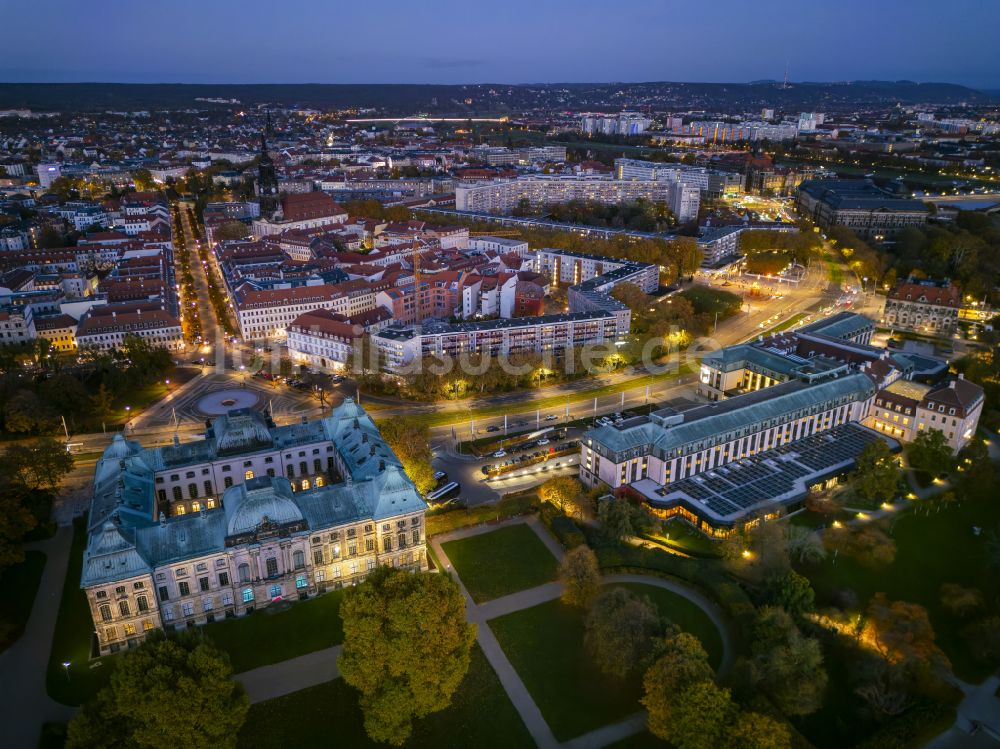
{"x":545,"y":646}
{"x":20,"y":585}
{"x":480,"y":716}
{"x":72,"y":638}
{"x":706,"y":299}
{"x":678,"y":534}
{"x":641,"y":740}
{"x":262,"y":638}
{"x":501,"y":562}
{"x":931,"y":550}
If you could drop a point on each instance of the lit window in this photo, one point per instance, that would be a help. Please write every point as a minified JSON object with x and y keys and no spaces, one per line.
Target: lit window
{"x":248,"y":475}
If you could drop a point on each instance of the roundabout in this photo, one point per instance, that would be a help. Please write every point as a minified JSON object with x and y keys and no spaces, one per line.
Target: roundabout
{"x":221,"y":401}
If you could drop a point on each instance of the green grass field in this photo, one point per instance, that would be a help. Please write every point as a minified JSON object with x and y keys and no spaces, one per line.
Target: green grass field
{"x":545,"y":645}
{"x":931,"y":550}
{"x":20,"y":584}
{"x":71,"y":641}
{"x":480,"y":716}
{"x":263,"y":638}
{"x":501,"y":562}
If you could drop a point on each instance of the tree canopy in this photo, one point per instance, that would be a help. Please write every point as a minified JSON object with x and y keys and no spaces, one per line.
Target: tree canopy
{"x":168,"y":692}
{"x":407,"y":648}
{"x":620,"y":631}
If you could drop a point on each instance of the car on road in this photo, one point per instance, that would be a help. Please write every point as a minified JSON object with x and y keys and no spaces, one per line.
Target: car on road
{"x":440,"y":475}
{"x":493,"y":428}
{"x":500,"y":454}
{"x":551,"y":417}
{"x":337,"y":379}
{"x":542,"y":441}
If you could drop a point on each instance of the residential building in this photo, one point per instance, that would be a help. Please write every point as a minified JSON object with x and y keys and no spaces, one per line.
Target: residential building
{"x":267,"y":313}
{"x":923,"y":306}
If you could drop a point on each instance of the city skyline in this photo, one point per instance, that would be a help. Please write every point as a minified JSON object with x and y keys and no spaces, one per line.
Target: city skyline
{"x":521,"y":43}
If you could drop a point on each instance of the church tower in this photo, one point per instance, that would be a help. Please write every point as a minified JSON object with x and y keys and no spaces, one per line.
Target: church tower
{"x":267,"y":182}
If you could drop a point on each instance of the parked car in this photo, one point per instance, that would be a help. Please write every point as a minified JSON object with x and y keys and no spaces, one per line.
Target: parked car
{"x":542,"y":441}
{"x":551,"y":417}
{"x":500,"y":454}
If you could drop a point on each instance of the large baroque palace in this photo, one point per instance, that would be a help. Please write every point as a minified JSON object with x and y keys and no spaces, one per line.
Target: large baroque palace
{"x":187,"y":534}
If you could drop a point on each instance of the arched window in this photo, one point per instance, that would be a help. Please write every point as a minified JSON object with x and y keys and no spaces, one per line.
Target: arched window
{"x":248,"y":475}
{"x":196,"y":507}
{"x":299,"y":559}
{"x":317,"y":465}
{"x":290,"y":470}
{"x":105,"y":613}
{"x":275,"y":591}
{"x":208,"y":488}
{"x":272,"y":567}
{"x":244,"y":572}
{"x":193,"y":490}
{"x":123,"y":608}
{"x":303,"y":468}
{"x":228,"y":481}
{"x":178,"y":495}
{"x":305,"y":484}
{"x":142,"y":603}
{"x":320,"y":481}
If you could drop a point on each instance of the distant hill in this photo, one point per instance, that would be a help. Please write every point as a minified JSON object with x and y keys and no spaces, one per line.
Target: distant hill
{"x":492,"y":98}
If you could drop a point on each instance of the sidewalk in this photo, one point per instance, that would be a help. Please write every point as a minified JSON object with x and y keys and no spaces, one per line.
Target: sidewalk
{"x":519,"y":696}
{"x":24,"y":703}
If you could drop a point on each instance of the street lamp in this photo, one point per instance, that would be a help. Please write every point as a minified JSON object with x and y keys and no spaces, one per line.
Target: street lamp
{"x":66,"y":666}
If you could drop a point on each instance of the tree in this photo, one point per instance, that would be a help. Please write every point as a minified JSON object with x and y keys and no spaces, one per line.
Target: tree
{"x":580,"y":576}
{"x":410,"y":440}
{"x":877,"y":473}
{"x":790,"y":591}
{"x":620,"y":628}
{"x":165,"y":693}
{"x":902,"y":633}
{"x":682,"y":662}
{"x":16,"y":519}
{"x":930,"y":452}
{"x":631,"y":296}
{"x":49,"y":237}
{"x":407,"y":648}
{"x":961,"y":601}
{"x":39,"y":465}
{"x":101,"y":405}
{"x":805,"y":544}
{"x":231,"y":230}
{"x":615,"y":517}
{"x":786,"y":664}
{"x":757,"y":731}
{"x":868,"y":544}
{"x":702,"y":715}
{"x":759,"y":552}
{"x":563,"y":493}
{"x":26,"y":413}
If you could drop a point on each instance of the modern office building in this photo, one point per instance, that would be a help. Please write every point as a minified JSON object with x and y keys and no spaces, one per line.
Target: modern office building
{"x":786,"y":414}
{"x":187,"y":534}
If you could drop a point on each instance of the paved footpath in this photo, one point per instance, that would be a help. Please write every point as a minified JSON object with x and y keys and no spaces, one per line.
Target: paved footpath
{"x":279,"y":679}
{"x":522,"y":700}
{"x":24,"y":703}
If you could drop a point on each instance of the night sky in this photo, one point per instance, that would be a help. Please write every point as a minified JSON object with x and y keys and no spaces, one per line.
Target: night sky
{"x":512,"y":41}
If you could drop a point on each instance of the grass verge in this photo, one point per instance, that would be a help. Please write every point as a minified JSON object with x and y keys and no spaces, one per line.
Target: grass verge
{"x":501,"y":562}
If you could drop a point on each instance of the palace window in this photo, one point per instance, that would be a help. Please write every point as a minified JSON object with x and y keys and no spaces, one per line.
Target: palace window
{"x":105,"y":613}
{"x":272,"y":567}
{"x":247,"y":595}
{"x":244,"y":572}
{"x":298,"y":559}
